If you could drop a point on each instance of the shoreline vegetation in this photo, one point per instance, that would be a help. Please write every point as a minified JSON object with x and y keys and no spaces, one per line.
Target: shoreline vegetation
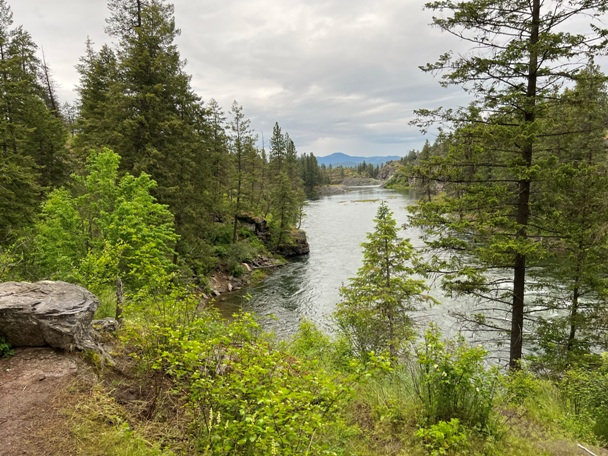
{"x":153,"y":198}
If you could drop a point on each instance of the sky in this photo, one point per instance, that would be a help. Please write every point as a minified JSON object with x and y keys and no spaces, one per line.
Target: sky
{"x":338,"y":75}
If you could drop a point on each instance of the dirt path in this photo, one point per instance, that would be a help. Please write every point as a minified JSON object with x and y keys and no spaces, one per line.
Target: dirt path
{"x":34,"y":386}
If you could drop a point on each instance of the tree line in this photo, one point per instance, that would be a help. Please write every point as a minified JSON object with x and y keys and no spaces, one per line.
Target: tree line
{"x":135,"y":99}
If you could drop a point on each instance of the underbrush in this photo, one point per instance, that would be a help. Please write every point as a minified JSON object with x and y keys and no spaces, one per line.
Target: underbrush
{"x":101,"y":426}
{"x":189,"y":382}
{"x":6,"y":349}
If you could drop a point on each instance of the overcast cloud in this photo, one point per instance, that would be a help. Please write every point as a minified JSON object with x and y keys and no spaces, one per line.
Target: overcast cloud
{"x":338,"y":75}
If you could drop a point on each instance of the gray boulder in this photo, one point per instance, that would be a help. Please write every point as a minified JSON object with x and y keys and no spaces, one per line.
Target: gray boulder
{"x":57,"y":314}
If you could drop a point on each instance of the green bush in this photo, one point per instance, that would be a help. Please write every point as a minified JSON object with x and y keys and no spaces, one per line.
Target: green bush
{"x":5,"y":348}
{"x":444,"y":437}
{"x":585,"y":390}
{"x":520,"y":385}
{"x":553,"y":354}
{"x":313,"y":345}
{"x":233,"y":255}
{"x":451,"y":381}
{"x":245,"y":395}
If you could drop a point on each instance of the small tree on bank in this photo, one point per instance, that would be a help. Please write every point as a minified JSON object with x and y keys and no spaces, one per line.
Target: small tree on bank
{"x":102,"y":227}
{"x":373,"y":313}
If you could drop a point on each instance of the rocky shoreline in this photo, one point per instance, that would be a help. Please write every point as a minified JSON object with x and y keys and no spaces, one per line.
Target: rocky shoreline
{"x":223,"y":282}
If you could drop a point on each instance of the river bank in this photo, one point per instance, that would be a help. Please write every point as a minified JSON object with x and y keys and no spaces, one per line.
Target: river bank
{"x":308,"y":288}
{"x":223,"y":282}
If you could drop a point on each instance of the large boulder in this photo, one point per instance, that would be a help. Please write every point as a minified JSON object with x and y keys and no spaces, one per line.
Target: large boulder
{"x":56,"y":314}
{"x":295,"y":245}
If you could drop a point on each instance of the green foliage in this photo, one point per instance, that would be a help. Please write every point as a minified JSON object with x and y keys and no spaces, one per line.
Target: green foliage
{"x":245,"y":395}
{"x":5,"y":348}
{"x":104,"y":228}
{"x":574,"y":205}
{"x":312,"y":344}
{"x":232,"y":256}
{"x":137,"y":99}
{"x":310,"y":173}
{"x":452,"y":382}
{"x":11,"y":259}
{"x":391,"y":399}
{"x":285,"y":197}
{"x":373,"y":313}
{"x":492,"y":164}
{"x":585,"y":390}
{"x":400,"y":180}
{"x":519,"y":386}
{"x":444,"y":438}
{"x":32,"y":136}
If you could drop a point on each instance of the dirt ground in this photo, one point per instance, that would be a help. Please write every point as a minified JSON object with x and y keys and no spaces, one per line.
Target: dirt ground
{"x":34,"y":387}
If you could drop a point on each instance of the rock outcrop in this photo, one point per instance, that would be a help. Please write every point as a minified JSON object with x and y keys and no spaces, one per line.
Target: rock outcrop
{"x":257,"y":225}
{"x":55,"y":314}
{"x":295,"y":246}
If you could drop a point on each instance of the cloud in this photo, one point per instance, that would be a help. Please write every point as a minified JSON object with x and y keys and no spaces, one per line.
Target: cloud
{"x":338,"y":75}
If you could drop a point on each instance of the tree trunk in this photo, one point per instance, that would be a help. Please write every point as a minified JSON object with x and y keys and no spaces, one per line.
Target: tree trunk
{"x":523,"y":199}
{"x":573,"y":319}
{"x":119,"y":299}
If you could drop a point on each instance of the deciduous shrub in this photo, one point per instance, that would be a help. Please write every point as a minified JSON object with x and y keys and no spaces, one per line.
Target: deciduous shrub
{"x":444,"y":438}
{"x":585,"y":390}
{"x":245,"y":395}
{"x":451,"y":381}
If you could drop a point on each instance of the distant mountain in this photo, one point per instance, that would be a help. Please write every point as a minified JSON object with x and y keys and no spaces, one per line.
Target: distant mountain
{"x":348,"y":161}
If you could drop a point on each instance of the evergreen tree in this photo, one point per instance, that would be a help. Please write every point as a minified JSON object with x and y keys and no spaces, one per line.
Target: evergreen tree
{"x":310,"y":173}
{"x":278,"y":149}
{"x":286,"y":192}
{"x":218,"y":154}
{"x":32,"y":153}
{"x":99,"y":91}
{"x":137,"y":99}
{"x":374,"y":311}
{"x":487,"y":221}
{"x":242,"y":141}
{"x":575,"y":206}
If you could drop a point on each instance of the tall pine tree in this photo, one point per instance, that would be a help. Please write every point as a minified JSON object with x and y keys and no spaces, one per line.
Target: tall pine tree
{"x":487,"y":222}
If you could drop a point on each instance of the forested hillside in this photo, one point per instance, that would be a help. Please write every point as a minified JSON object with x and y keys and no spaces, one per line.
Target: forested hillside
{"x":135,"y":99}
{"x":140,"y":190}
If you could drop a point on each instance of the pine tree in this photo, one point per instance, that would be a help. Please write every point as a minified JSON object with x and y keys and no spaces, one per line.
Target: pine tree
{"x":242,"y":140}
{"x":286,"y":193}
{"x":136,"y":98}
{"x":99,"y":91}
{"x":575,"y":206}
{"x":32,"y":137}
{"x":487,"y":219}
{"x":218,"y":153}
{"x":374,"y":311}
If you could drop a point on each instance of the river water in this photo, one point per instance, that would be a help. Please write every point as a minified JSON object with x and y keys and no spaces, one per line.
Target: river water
{"x":308,"y":288}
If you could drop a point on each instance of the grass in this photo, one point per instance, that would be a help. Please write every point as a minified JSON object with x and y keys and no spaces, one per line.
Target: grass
{"x":101,"y":426}
{"x":383,"y":417}
{"x":107,"y":302}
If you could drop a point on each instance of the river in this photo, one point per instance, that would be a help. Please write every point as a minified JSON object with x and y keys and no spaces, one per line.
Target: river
{"x":308,"y":288}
